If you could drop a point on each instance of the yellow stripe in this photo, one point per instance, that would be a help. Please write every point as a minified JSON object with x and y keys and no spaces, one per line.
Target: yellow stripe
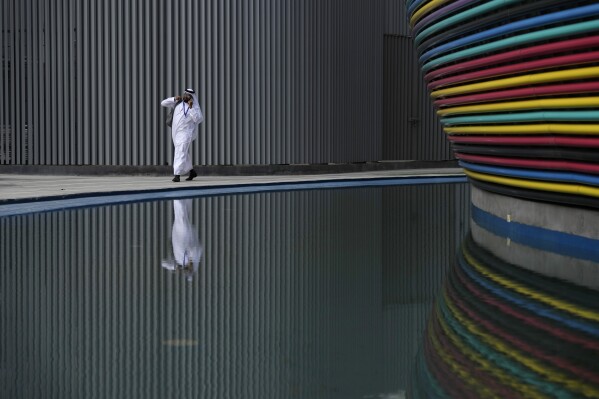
{"x":486,"y":365}
{"x":541,"y":128}
{"x":424,"y":9}
{"x":545,"y":77}
{"x":576,"y":102}
{"x":537,"y":185}
{"x":503,"y":347}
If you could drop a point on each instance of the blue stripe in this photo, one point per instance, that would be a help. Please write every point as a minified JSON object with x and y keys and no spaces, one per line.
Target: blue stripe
{"x":566,"y":177}
{"x":542,"y":20}
{"x":558,"y":242}
{"x":20,"y":207}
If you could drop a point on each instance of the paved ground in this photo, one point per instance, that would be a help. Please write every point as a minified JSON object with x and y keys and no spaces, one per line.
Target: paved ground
{"x":34,"y":187}
{"x":26,"y":194}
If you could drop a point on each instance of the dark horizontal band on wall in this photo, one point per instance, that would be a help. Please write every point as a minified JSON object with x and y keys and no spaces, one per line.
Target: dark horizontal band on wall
{"x":225,"y":170}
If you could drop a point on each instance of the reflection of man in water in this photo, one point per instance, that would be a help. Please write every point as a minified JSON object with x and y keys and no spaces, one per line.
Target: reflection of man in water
{"x":187,"y":249}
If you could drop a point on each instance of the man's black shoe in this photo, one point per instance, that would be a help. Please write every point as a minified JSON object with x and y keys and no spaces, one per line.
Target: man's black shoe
{"x":192,"y":174}
{"x":176,"y":179}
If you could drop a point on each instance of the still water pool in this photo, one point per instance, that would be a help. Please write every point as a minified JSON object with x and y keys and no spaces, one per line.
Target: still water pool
{"x":340,"y":293}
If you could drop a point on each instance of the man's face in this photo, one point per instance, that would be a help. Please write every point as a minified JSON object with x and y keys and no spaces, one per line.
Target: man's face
{"x":186,"y":97}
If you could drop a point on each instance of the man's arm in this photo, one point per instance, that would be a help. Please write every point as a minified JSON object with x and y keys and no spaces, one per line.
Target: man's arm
{"x":170,"y":102}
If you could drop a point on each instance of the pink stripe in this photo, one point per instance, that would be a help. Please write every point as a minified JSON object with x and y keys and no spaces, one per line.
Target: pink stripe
{"x":527,"y":140}
{"x":565,"y":60}
{"x":544,"y":49}
{"x":539,"y":91}
{"x":531,"y":163}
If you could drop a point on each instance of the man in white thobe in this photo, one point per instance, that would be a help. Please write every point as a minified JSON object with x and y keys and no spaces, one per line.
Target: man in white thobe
{"x":187,"y":116}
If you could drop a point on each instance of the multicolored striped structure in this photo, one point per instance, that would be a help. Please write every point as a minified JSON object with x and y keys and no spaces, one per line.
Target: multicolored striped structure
{"x":516,"y":84}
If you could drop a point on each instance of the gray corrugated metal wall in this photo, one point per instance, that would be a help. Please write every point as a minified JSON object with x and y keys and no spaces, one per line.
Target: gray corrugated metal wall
{"x":411,"y":128}
{"x":292,"y":289}
{"x":280,"y":81}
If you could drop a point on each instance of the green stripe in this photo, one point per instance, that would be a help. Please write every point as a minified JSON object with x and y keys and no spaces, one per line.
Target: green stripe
{"x":566,"y":116}
{"x":473,"y":12}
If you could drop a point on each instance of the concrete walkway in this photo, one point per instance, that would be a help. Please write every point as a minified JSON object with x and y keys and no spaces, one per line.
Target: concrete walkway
{"x":26,"y":194}
{"x":23,"y":188}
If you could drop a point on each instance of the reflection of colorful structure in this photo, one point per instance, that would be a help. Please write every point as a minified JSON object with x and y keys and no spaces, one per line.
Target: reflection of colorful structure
{"x":517,"y":87}
{"x":499,"y":330}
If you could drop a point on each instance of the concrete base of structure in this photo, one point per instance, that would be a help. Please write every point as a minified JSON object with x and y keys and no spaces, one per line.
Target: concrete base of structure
{"x":554,"y":230}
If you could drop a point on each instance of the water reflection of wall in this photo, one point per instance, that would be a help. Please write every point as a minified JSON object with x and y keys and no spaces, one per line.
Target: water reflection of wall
{"x":286,"y":302}
{"x":421,"y":234}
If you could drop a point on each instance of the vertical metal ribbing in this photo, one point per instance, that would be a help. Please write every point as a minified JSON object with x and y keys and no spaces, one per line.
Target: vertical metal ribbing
{"x":128,"y":83}
{"x":4,"y":74}
{"x":234,"y":50}
{"x":16,"y":82}
{"x":31,"y":98}
{"x":70,"y":93}
{"x":60,"y":77}
{"x":90,"y":128}
{"x":280,"y":82}
{"x":78,"y":78}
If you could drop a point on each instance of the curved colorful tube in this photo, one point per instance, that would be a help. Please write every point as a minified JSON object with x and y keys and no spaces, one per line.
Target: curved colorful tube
{"x":530,"y":23}
{"x":537,"y":152}
{"x":548,"y":103}
{"x":514,"y":55}
{"x":490,"y":20}
{"x":431,"y":5}
{"x":538,"y":78}
{"x":535,"y":195}
{"x":563,"y":61}
{"x":564,"y":177}
{"x":463,"y":16}
{"x":575,"y":189}
{"x":538,"y":91}
{"x":547,"y":116}
{"x":580,"y":167}
{"x":517,"y":86}
{"x":456,"y":5}
{"x":521,"y":40}
{"x":526,"y":129}
{"x":414,"y":4}
{"x":528,"y":140}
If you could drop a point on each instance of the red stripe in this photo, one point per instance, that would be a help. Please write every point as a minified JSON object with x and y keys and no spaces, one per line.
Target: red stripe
{"x":539,"y":91}
{"x":532,"y":163}
{"x":566,"y":60}
{"x":544,"y":49}
{"x":554,"y":141}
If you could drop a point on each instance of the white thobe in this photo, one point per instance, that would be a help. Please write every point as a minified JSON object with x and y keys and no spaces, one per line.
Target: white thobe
{"x":184,"y":131}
